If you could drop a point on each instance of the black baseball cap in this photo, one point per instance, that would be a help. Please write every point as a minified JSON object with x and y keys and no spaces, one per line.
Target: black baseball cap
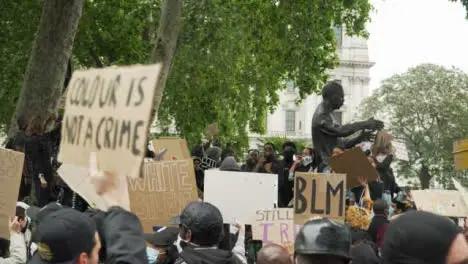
{"x":62,"y":236}
{"x":164,"y":237}
{"x":37,"y":214}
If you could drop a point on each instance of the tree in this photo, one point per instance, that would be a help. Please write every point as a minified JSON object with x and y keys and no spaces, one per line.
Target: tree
{"x":426,"y":107}
{"x":232,"y":57}
{"x":45,"y":73}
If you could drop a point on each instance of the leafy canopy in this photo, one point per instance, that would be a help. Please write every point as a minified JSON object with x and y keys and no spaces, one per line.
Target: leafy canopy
{"x":232,"y":56}
{"x":426,"y":107}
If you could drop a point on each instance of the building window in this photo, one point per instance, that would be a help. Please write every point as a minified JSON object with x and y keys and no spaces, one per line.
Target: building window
{"x":338,"y":116}
{"x":338,"y":35}
{"x":290,"y":87}
{"x":290,"y":121}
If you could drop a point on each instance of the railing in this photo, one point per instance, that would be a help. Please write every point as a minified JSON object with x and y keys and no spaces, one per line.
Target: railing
{"x":287,"y":134}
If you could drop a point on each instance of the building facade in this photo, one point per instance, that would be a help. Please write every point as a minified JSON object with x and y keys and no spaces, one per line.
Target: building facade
{"x":295,"y":121}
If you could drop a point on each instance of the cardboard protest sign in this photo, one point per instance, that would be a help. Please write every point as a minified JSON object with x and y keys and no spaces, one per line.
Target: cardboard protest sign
{"x":319,"y":194}
{"x":354,"y":164}
{"x":11,"y":168}
{"x":275,"y":226}
{"x":167,"y":187}
{"x":460,"y":154}
{"x":443,"y":202}
{"x":107,"y":111}
{"x":77,"y":178}
{"x":463,"y":191}
{"x":401,"y":152}
{"x":238,"y":194}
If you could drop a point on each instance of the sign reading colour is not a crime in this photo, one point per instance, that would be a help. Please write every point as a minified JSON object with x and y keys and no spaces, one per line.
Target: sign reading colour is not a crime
{"x":107,"y":111}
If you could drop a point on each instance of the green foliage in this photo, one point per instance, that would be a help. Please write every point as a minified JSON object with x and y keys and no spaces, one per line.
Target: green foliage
{"x":279,"y":141}
{"x":426,"y":107}
{"x":18,"y":23}
{"x":232,"y":56}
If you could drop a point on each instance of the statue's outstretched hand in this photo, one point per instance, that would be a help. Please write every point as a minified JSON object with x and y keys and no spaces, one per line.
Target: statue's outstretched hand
{"x":374,"y":124}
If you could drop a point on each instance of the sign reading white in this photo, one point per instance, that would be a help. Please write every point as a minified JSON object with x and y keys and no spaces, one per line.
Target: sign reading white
{"x":107,"y":111}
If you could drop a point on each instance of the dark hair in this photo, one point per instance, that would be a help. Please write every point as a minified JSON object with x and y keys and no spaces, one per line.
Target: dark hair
{"x":227,"y":152}
{"x":270,"y":144}
{"x":359,"y":235}
{"x":98,"y":217}
{"x":379,"y":206}
{"x":20,"y":213}
{"x":331,"y":88}
{"x":289,"y":144}
{"x":204,"y":221}
{"x":253,"y":150}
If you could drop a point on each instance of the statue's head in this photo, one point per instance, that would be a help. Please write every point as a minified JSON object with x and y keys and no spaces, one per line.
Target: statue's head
{"x":333,"y":93}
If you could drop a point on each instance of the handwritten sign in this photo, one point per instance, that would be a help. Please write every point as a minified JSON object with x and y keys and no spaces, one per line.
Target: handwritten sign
{"x":11,"y":168}
{"x":107,"y":111}
{"x":276,"y":226}
{"x":354,"y":164}
{"x":442,"y":202}
{"x":319,"y":194}
{"x":167,"y":186}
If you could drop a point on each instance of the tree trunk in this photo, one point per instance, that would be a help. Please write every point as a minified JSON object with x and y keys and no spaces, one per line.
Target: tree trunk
{"x":45,"y":74}
{"x":166,"y":44}
{"x":424,"y":177}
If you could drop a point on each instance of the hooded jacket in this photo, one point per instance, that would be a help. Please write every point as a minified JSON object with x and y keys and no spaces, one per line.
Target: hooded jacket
{"x":193,"y":255}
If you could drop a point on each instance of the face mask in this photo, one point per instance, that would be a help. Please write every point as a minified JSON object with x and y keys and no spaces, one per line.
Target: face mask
{"x":306,"y":160}
{"x":391,"y":211}
{"x":152,"y":254}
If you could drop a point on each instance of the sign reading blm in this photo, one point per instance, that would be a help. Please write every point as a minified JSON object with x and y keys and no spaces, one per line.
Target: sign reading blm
{"x":319,"y":194}
{"x":107,"y":111}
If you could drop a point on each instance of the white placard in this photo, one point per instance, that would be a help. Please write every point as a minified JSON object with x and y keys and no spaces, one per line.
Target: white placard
{"x":401,"y":152}
{"x":239,"y":194}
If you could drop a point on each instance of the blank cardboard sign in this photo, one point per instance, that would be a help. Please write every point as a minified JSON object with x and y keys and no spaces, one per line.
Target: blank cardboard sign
{"x":319,"y":194}
{"x":354,"y":164}
{"x":11,"y":167}
{"x":238,"y":194}
{"x":442,"y":202}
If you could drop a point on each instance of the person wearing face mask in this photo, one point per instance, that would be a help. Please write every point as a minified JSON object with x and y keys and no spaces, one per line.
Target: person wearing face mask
{"x":251,"y":162}
{"x":303,"y":163}
{"x":160,"y":247}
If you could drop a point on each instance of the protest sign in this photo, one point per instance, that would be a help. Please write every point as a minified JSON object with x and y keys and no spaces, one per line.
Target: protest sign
{"x":167,"y":186}
{"x":443,"y":202}
{"x":354,"y":164}
{"x":238,"y":194}
{"x":460,"y":154}
{"x":11,"y":168}
{"x":77,"y":178}
{"x":276,"y":226}
{"x":319,"y":194}
{"x":401,"y":152}
{"x":107,"y":111}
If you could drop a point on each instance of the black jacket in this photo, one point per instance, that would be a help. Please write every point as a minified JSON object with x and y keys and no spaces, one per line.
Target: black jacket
{"x":194,"y":255}
{"x":124,"y":238}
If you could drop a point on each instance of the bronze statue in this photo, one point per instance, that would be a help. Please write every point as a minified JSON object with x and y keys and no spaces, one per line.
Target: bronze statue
{"x":327,"y":134}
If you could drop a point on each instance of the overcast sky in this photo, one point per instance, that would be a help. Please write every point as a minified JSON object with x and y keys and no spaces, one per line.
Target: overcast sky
{"x":405,"y":33}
